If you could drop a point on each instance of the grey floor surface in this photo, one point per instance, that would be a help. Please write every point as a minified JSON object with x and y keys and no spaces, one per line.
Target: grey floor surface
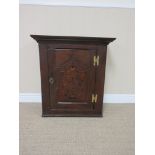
{"x":112,"y":134}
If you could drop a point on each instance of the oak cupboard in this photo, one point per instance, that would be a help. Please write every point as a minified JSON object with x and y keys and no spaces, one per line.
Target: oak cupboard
{"x":72,"y":74}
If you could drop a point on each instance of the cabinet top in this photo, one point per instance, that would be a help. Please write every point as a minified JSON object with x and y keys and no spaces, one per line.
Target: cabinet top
{"x":71,"y":39}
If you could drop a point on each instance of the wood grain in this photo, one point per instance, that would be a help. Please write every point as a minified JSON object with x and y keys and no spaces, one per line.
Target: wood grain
{"x":68,"y":61}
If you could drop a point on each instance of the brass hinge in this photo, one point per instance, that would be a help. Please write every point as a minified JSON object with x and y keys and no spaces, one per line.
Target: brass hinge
{"x":96,"y":60}
{"x":94,"y":98}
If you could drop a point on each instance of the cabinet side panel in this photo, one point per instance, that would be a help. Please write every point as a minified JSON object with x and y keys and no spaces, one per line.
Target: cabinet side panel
{"x":44,"y":78}
{"x":100,"y":77}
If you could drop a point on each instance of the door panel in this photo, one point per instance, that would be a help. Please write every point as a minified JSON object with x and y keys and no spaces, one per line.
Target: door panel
{"x":73,"y":74}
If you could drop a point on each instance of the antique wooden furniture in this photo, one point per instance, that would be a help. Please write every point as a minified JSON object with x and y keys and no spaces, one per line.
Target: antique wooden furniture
{"x":72,"y":74}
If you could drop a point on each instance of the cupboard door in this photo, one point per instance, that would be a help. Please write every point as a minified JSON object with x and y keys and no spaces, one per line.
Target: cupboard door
{"x":71,"y":78}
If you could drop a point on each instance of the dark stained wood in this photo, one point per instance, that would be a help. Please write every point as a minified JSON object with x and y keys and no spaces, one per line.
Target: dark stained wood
{"x":68,"y":76}
{"x":73,"y":39}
